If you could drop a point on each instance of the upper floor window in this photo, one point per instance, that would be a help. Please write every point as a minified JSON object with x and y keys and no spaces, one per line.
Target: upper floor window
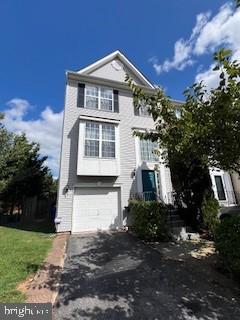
{"x":178,"y":113}
{"x":143,"y":111}
{"x":100,"y":140}
{"x":99,"y":98}
{"x":147,"y":148}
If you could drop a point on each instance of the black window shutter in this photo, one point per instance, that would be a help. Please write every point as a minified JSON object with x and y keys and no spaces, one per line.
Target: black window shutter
{"x":81,"y":89}
{"x":115,"y":101}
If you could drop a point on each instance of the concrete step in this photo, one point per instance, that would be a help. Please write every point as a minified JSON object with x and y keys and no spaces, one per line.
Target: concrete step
{"x":175,"y":216}
{"x":177,"y":223}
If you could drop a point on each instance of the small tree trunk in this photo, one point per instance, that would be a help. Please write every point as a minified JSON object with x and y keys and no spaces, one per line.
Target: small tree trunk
{"x":12,"y":207}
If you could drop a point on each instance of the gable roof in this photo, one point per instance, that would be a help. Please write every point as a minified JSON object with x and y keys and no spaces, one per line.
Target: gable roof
{"x":116,"y":55}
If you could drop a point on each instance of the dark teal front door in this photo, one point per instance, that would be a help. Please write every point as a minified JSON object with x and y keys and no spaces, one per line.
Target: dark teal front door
{"x":149,"y":185}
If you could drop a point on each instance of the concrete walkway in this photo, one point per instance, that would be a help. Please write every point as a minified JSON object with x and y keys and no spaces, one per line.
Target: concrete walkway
{"x":115,"y":276}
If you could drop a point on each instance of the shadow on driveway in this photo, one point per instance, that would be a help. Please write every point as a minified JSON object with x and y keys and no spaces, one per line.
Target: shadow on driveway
{"x":114,"y":276}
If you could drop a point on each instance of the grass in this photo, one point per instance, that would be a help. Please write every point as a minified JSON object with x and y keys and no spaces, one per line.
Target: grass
{"x":21,"y":253}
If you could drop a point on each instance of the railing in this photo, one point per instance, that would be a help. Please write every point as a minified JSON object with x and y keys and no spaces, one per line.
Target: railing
{"x":171,"y":197}
{"x":146,"y":196}
{"x":150,"y":195}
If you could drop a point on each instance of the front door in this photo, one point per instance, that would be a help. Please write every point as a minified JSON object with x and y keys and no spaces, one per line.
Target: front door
{"x":149,"y":185}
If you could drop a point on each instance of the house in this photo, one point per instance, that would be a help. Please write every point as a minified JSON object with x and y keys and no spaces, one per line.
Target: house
{"x":102,"y":164}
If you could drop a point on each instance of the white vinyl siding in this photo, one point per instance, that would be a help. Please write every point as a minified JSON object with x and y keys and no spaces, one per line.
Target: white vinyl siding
{"x":147,"y":148}
{"x":98,"y":98}
{"x":100,"y":140}
{"x":97,"y":171}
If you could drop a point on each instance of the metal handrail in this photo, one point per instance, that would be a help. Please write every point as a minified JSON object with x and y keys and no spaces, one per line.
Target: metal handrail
{"x":146,"y":196}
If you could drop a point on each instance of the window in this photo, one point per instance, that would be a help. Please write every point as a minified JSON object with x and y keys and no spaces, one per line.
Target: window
{"x":147,"y":148}
{"x":100,"y":140}
{"x":99,"y":98}
{"x":220,"y":188}
{"x":91,"y":97}
{"x":178,"y":113}
{"x":106,"y":99}
{"x":143,"y":111}
{"x":108,"y":141}
{"x":92,"y":139}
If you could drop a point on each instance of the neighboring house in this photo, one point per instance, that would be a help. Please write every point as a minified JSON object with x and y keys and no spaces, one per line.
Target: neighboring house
{"x":102,"y":164}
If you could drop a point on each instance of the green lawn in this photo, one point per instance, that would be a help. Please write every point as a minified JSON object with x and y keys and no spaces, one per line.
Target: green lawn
{"x":21,"y":253}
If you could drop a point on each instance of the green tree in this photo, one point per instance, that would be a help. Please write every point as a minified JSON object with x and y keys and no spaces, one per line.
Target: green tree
{"x":207,"y":134}
{"x":23,"y":172}
{"x":214,"y":116}
{"x":5,"y":143}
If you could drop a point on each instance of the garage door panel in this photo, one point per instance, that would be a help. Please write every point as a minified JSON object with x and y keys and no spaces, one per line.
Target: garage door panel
{"x":95,"y":209}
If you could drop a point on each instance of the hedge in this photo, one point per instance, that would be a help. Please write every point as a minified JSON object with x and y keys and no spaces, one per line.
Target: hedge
{"x":227,"y":241}
{"x":149,"y":219}
{"x":210,"y":209}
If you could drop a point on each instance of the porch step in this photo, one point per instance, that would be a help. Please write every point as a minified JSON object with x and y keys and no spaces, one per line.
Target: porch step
{"x":176,"y":223}
{"x":174,"y":220}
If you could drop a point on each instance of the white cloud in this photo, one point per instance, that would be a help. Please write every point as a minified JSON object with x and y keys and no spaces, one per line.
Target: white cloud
{"x":46,"y":130}
{"x":182,"y":49}
{"x":226,"y":25}
{"x":180,"y":60}
{"x":209,"y":77}
{"x":17,"y":108}
{"x":206,"y":37}
{"x":215,"y":32}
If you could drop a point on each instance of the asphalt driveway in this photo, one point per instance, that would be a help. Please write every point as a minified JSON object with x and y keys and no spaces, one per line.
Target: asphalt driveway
{"x":115,"y":276}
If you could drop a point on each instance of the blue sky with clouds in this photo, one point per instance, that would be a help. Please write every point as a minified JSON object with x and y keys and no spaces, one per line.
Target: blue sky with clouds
{"x":171,"y":42}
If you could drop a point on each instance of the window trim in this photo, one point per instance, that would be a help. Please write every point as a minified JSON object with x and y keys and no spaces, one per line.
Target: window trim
{"x":98,"y":97}
{"x":101,"y":140}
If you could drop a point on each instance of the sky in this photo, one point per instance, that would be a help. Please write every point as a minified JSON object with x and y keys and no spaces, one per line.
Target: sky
{"x":171,"y":42}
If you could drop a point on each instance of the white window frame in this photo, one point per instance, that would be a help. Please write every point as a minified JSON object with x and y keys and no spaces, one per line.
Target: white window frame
{"x":98,"y":97}
{"x":101,"y":140}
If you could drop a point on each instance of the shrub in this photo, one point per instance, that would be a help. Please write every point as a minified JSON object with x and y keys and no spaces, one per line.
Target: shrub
{"x":210,"y":208}
{"x":227,"y":240}
{"x":149,"y":219}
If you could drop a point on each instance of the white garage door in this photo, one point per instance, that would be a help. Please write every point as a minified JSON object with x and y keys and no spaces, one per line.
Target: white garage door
{"x":95,"y":209}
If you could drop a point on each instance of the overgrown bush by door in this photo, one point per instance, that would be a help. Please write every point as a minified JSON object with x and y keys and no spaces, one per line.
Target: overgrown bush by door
{"x":210,"y":208}
{"x":149,"y":219}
